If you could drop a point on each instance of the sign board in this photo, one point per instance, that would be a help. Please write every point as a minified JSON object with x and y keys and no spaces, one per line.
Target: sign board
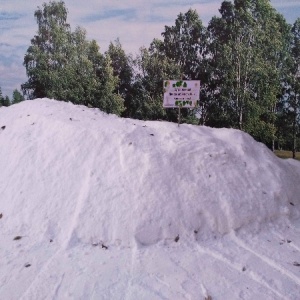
{"x":181,"y":93}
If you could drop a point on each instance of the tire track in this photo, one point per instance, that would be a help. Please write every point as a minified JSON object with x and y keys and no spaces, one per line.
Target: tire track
{"x":70,"y":233}
{"x":259,"y":279}
{"x":39,"y":276}
{"x":266,"y":260}
{"x":83,"y":195}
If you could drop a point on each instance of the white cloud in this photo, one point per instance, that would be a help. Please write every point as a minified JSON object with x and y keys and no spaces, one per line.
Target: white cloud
{"x":140,"y":31}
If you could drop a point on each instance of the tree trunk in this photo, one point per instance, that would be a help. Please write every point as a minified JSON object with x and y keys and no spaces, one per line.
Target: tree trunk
{"x":294,"y":138}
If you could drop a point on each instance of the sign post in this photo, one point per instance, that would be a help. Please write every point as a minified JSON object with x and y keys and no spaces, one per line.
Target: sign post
{"x":181,"y":93}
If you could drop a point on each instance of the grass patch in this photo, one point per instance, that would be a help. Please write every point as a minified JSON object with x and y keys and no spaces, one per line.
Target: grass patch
{"x":286,"y":154}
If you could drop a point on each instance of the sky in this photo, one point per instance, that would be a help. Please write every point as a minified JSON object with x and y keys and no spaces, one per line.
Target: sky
{"x":135,"y":22}
{"x":93,"y":206}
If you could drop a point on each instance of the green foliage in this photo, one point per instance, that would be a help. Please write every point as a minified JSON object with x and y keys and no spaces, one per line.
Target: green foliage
{"x":247,"y":53}
{"x":4,"y":101}
{"x":178,"y":56}
{"x":184,"y":43}
{"x":247,"y":61}
{"x":1,"y":97}
{"x":154,"y":67}
{"x":108,"y":100}
{"x":57,"y":62}
{"x":122,"y":65}
{"x":47,"y":59}
{"x":64,"y":65}
{"x":17,"y":97}
{"x":288,"y":123}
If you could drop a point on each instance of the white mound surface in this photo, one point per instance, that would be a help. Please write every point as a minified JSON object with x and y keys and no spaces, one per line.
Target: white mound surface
{"x":97,"y":207}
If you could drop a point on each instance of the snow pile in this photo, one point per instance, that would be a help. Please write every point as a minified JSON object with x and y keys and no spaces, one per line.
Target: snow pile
{"x":80,"y":177}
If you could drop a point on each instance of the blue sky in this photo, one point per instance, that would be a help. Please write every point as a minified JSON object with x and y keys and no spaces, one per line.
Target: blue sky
{"x":135,"y":22}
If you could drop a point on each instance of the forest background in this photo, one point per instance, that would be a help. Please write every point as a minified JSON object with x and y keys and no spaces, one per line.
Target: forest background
{"x":248,"y":62}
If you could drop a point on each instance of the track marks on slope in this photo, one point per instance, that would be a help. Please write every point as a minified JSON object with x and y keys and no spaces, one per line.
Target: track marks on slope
{"x":57,"y":288}
{"x":242,"y":263}
{"x":71,"y":236}
{"x":35,"y":286}
{"x":271,"y":262}
{"x":131,"y":273}
{"x":154,"y":275}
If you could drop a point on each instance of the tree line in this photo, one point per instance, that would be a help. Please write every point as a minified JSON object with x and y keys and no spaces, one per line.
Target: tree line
{"x":16,"y":98}
{"x":247,"y":59}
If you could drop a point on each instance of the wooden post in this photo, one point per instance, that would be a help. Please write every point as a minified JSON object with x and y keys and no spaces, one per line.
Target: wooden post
{"x":179,"y":114}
